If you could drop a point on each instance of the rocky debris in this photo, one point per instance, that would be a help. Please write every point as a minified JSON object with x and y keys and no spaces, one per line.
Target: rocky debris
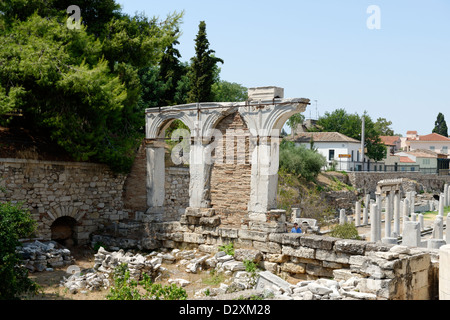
{"x":321,"y":289}
{"x":248,"y":254}
{"x":105,"y":262}
{"x":39,"y":256}
{"x":180,"y":282}
{"x":138,"y":264}
{"x":92,"y":281}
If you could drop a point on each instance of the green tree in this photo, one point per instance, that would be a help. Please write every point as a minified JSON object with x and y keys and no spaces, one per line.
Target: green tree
{"x":84,"y":91}
{"x":171,"y":72}
{"x":351,"y":126}
{"x":224,"y":91}
{"x":294,"y":121}
{"x":383,"y":126}
{"x":299,"y":160}
{"x":203,"y":71}
{"x":15,"y":223}
{"x":440,"y":126}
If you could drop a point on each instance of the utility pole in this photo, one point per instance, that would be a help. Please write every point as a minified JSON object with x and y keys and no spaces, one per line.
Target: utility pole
{"x":362,"y":140}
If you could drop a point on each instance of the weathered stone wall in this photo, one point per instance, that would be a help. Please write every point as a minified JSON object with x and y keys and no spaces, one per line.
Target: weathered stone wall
{"x":390,"y":272}
{"x":366,"y":182}
{"x":230,"y":182}
{"x":89,"y":193}
{"x":176,"y":193}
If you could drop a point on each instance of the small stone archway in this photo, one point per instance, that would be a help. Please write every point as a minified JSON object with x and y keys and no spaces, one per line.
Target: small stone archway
{"x":60,"y":221}
{"x":63,"y":231}
{"x":264,"y":115}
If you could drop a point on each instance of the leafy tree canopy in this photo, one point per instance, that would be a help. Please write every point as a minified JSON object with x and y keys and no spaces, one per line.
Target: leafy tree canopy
{"x":81,"y":86}
{"x":351,"y":126}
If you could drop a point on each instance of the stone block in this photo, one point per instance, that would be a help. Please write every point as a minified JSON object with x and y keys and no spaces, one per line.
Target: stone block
{"x":297,"y":268}
{"x":420,"y":262}
{"x":278,"y":258}
{"x":276,"y":237}
{"x":178,"y":237}
{"x":193,"y":212}
{"x":382,"y":288}
{"x":267,"y":247}
{"x":243,"y":243}
{"x":208,"y":212}
{"x":420,"y":279}
{"x":292,"y":239}
{"x":269,"y":266}
{"x":210,"y":221}
{"x":332,"y":256}
{"x":228,"y":233}
{"x":331,"y":265}
{"x":275,"y":227}
{"x":317,"y":242}
{"x":253,"y":235}
{"x":194,"y":238}
{"x":354,"y":247}
{"x":300,"y":252}
{"x":318,"y":271}
{"x":342,"y":274}
{"x":267,"y":280}
{"x":248,"y":254}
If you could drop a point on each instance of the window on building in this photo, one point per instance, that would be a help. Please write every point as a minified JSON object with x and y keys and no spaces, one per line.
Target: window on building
{"x":426,"y":161}
{"x":432,"y":148}
{"x":445,"y":149}
{"x":353,"y":154}
{"x":331,"y":155}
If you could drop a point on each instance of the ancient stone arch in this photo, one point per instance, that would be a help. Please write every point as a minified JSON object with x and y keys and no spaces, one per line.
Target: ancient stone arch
{"x":59,"y":212}
{"x":264,"y":114}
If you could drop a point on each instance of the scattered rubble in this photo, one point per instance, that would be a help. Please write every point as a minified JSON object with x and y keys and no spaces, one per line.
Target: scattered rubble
{"x":44,"y":256}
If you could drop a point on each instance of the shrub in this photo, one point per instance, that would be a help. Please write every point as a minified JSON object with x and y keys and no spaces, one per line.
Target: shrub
{"x":125,"y":288}
{"x":15,"y":223}
{"x":228,"y":249}
{"x":300,"y":161}
{"x":345,"y":231}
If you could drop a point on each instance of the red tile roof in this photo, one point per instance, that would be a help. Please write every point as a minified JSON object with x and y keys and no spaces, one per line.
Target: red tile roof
{"x":323,"y":137}
{"x":433,"y":137}
{"x":406,"y":160}
{"x":389,"y":140}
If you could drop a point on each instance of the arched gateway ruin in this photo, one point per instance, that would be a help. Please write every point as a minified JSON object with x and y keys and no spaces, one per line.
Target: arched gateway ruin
{"x":233,"y":154}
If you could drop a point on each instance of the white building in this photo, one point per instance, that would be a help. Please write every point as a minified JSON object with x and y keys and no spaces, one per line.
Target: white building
{"x":433,"y":142}
{"x":341,"y":151}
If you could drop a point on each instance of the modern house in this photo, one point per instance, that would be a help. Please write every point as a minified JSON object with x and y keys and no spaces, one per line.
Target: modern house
{"x":434,"y":142}
{"x":342,"y":152}
{"x":393,"y":143}
{"x":425,"y":161}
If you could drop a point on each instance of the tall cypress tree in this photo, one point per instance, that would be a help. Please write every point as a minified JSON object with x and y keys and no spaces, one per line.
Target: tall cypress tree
{"x":203,"y":68}
{"x":440,"y":126}
{"x":170,"y":72}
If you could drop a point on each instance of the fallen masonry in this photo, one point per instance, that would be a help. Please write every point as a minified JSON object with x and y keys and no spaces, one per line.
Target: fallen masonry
{"x":373,"y":275}
{"x":41,"y":256}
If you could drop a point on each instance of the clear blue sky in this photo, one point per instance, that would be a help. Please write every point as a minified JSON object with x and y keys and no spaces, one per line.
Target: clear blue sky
{"x":323,"y":50}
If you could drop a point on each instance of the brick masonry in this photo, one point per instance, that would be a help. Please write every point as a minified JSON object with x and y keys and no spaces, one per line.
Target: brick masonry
{"x":230,"y":182}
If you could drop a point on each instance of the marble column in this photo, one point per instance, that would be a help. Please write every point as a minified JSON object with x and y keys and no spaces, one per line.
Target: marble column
{"x":396,"y":231}
{"x":358,"y":213}
{"x":375,"y":226}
